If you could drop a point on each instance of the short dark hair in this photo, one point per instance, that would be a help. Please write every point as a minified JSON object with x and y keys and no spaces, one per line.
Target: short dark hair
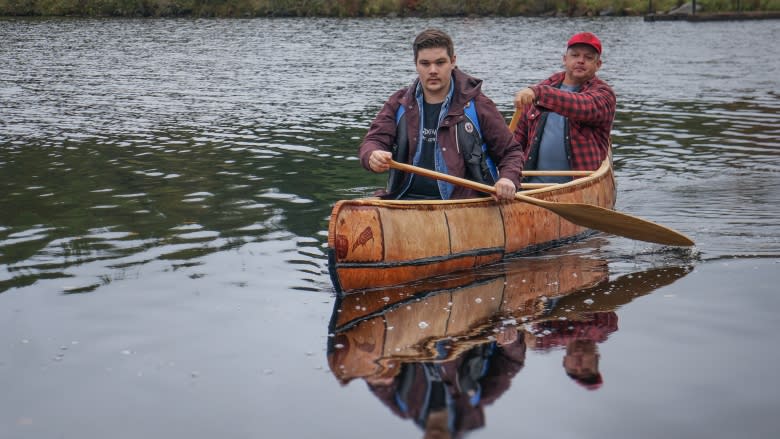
{"x":433,"y":38}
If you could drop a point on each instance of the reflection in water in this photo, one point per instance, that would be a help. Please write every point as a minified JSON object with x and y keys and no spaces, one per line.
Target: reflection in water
{"x":446,"y":398}
{"x":438,"y":352}
{"x":114,"y":208}
{"x":699,"y":154}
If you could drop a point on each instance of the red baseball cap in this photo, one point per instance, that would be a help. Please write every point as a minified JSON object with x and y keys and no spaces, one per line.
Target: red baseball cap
{"x":585,"y":38}
{"x":592,"y":382}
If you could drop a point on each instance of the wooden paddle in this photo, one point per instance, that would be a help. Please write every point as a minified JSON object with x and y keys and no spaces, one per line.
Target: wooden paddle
{"x":585,"y":215}
{"x":515,"y":119}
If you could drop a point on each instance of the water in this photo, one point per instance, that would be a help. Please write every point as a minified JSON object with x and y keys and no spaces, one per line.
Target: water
{"x":165,"y":188}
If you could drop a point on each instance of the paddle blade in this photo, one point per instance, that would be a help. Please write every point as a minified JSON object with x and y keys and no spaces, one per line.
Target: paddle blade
{"x":617,"y":223}
{"x":585,"y":215}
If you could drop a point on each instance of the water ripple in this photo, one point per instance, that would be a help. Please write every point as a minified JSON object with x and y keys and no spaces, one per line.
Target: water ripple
{"x":134,"y":145}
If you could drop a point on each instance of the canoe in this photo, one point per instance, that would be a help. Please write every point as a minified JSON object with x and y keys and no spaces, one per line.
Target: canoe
{"x":376,"y":243}
{"x":373,"y":332}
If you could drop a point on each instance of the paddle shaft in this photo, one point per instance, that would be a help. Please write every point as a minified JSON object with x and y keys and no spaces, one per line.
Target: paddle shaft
{"x":557,"y":173}
{"x":585,"y":215}
{"x":515,"y":120}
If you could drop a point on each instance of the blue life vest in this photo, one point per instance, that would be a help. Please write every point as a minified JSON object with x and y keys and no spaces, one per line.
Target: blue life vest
{"x":479,"y":166}
{"x":471,"y":113}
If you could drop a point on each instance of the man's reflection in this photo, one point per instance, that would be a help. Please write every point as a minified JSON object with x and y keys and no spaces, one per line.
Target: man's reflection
{"x":582,"y":363}
{"x":447,"y":398}
{"x":580,"y":338}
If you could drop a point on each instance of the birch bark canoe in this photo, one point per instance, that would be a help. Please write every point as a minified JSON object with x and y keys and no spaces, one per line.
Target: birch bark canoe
{"x":375,"y":243}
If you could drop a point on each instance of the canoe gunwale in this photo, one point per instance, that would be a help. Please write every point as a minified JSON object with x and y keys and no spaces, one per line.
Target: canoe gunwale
{"x":606,"y":166}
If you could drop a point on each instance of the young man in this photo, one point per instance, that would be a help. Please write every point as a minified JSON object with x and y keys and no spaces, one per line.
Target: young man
{"x":427,"y":125}
{"x":566,"y":119}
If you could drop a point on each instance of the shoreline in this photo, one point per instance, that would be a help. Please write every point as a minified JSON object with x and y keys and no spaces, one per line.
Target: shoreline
{"x":715,"y":16}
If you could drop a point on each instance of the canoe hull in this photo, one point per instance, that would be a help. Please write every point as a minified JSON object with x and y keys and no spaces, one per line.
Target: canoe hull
{"x":376,"y":243}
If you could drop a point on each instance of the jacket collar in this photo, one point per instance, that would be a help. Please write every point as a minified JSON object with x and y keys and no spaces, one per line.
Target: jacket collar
{"x":463,"y":88}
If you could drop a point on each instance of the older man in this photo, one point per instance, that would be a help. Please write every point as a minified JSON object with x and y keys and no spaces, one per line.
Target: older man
{"x":566,"y":119}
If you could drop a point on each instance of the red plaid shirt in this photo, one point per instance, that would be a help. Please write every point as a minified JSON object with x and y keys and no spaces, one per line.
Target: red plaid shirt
{"x":595,"y":327}
{"x":589,"y":114}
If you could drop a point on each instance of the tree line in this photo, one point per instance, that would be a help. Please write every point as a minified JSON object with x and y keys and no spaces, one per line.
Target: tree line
{"x":362,"y":8}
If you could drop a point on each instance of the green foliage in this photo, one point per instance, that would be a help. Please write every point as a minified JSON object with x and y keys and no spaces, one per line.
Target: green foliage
{"x":363,"y":8}
{"x":17,"y":7}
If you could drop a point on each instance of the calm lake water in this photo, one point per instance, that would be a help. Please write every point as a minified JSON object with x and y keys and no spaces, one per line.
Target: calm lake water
{"x":165,"y":190}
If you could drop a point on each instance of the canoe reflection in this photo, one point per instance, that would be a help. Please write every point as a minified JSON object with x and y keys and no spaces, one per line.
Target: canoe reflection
{"x":437,"y":352}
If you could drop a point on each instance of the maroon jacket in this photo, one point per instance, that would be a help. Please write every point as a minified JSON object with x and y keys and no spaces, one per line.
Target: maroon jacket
{"x":589,"y":113}
{"x":410,"y":399}
{"x":502,"y":148}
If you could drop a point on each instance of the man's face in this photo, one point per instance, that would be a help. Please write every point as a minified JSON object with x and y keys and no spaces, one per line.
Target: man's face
{"x":581,"y":62}
{"x":581,"y":363}
{"x":434,"y":67}
{"x":582,"y":358}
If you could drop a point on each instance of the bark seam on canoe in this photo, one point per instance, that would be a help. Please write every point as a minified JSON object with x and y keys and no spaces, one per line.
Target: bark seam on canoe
{"x":382,"y":233}
{"x":503,"y":226}
{"x":449,"y":231}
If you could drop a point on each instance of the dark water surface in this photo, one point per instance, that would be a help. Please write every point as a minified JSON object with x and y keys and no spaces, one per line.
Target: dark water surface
{"x":165,"y":188}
